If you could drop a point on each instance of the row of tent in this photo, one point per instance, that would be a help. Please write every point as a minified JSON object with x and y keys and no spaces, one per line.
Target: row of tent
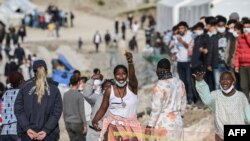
{"x":13,"y":11}
{"x":170,"y":12}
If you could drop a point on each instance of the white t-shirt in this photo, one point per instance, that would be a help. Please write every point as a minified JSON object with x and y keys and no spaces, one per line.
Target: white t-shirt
{"x":135,"y":28}
{"x":97,"y":38}
{"x":182,"y":51}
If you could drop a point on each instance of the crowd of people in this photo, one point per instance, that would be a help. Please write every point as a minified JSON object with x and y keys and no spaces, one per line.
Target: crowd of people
{"x":31,"y":109}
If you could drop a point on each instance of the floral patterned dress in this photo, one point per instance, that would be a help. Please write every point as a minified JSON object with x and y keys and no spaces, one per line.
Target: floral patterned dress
{"x":168,"y":105}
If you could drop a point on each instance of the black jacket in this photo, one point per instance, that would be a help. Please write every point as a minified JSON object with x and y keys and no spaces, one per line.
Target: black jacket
{"x":38,"y":117}
{"x":198,"y":58}
{"x":213,"y":54}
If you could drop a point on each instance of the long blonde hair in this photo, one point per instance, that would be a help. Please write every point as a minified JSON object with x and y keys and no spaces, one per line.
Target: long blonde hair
{"x":41,"y":83}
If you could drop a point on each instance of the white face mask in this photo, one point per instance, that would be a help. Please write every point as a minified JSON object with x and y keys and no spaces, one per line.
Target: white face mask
{"x":228,"y":90}
{"x":247,"y":30}
{"x":235,"y":34}
{"x":199,"y":32}
{"x":97,"y":86}
{"x":120,"y":84}
{"x":221,"y":29}
{"x":16,"y":60}
{"x":97,"y":82}
{"x":80,"y":87}
{"x":231,"y":30}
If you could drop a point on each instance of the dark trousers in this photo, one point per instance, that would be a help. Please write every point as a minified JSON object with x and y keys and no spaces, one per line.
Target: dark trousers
{"x":195,"y":93}
{"x":184,"y":72}
{"x":209,"y":78}
{"x":10,"y":138}
{"x":245,"y":80}
{"x":27,"y":138}
{"x":96,"y":46}
{"x":123,"y":35}
{"x":75,"y":131}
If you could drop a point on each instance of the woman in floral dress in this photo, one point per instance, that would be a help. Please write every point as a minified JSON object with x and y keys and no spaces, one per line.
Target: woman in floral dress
{"x":168,"y":105}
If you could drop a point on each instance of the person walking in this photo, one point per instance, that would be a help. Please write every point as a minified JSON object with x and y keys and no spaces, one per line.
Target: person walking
{"x":97,"y":40}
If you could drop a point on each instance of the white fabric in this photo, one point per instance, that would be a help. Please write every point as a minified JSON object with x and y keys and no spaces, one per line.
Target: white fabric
{"x":135,"y":28}
{"x":229,"y":110}
{"x":25,"y":71}
{"x":131,"y":101}
{"x":97,"y":86}
{"x":182,"y":53}
{"x":97,"y":38}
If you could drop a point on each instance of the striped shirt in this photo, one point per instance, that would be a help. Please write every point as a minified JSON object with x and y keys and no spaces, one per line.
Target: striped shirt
{"x":8,"y":116}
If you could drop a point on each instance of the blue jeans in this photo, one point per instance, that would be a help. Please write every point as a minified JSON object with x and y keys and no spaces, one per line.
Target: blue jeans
{"x":217,"y":72}
{"x":184,"y":71}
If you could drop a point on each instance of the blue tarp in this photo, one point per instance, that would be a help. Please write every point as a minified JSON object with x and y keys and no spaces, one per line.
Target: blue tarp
{"x":63,"y":76}
{"x":65,"y":62}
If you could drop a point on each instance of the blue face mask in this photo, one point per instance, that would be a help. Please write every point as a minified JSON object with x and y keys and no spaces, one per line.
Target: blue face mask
{"x":194,"y":35}
{"x":120,"y":85}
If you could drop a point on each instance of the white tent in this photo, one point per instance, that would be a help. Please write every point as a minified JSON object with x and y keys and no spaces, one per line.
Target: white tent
{"x":226,"y":7}
{"x":25,"y":6}
{"x":165,"y":14}
{"x":192,"y":11}
{"x":13,"y":11}
{"x":8,"y":17}
{"x":170,"y":12}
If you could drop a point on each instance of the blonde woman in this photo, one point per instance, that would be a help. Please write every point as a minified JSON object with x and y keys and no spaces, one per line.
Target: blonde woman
{"x":38,"y":107}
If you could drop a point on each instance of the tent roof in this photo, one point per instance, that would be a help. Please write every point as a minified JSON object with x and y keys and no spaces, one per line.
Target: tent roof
{"x":24,"y":5}
{"x":198,"y":2}
{"x":170,"y":3}
{"x":226,"y":7}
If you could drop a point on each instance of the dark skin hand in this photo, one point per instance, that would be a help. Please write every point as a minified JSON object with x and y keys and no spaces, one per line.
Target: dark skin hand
{"x":119,"y":92}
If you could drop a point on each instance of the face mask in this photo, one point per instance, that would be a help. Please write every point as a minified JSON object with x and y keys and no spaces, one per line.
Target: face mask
{"x":97,"y":86}
{"x":80,"y":87}
{"x":164,"y":75}
{"x":199,"y":32}
{"x":194,"y":35}
{"x":231,"y":30}
{"x":221,"y":29}
{"x":247,"y":30}
{"x":16,"y":60}
{"x":97,"y":82}
{"x":235,"y":34}
{"x":120,"y":84}
{"x":228,"y":90}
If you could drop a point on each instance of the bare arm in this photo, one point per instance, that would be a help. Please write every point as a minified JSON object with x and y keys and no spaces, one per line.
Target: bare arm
{"x":103,"y":109}
{"x":133,"y":82}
